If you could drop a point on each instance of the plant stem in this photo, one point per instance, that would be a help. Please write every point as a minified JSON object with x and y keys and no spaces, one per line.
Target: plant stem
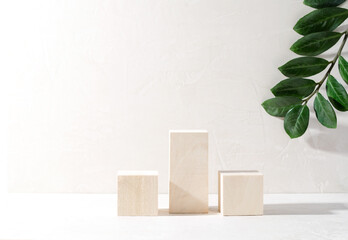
{"x":332,"y":64}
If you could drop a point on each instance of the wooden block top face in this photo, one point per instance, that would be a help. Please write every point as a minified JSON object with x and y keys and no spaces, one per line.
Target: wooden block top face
{"x":137,"y":195}
{"x":239,"y":172}
{"x":188,"y":188}
{"x":241,"y":194}
{"x":188,"y":131}
{"x":137,"y":173}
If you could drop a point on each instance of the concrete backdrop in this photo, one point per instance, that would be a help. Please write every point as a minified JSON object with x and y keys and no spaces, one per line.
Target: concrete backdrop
{"x":90,"y":87}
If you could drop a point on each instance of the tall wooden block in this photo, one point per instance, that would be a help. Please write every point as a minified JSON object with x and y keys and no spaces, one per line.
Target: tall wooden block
{"x":240,"y":193}
{"x":137,"y":193}
{"x":188,"y":177}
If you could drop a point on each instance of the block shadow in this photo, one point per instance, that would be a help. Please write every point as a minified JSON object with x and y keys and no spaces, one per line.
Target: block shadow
{"x":184,"y":194}
{"x":278,"y":209}
{"x":329,"y":141}
{"x":165,"y":212}
{"x":304,"y":208}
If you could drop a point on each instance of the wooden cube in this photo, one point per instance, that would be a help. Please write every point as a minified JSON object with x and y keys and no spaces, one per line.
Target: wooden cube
{"x":240,"y":193}
{"x":137,"y":193}
{"x":188,"y":177}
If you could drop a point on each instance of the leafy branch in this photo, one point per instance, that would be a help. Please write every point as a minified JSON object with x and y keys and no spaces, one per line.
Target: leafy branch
{"x":332,"y":64}
{"x":292,"y":94}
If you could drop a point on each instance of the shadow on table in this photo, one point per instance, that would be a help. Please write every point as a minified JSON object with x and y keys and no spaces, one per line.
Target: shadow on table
{"x":303,"y":208}
{"x":211,"y":211}
{"x":279,"y":209}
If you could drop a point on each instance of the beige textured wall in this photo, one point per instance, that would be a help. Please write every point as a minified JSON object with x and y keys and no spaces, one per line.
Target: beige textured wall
{"x":93,"y":86}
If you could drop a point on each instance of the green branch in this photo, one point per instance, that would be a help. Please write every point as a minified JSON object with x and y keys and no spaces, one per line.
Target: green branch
{"x":332,"y":64}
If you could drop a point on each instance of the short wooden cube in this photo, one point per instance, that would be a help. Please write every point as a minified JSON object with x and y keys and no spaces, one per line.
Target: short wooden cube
{"x":137,"y":193}
{"x":240,"y":193}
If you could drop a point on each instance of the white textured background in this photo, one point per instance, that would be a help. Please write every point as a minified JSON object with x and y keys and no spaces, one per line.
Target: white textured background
{"x":90,"y":87}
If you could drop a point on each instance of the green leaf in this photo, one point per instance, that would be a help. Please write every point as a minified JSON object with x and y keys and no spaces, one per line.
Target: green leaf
{"x":324,"y":112}
{"x":303,"y":67}
{"x":323,"y":3}
{"x":337,"y":94}
{"x":297,"y":87}
{"x":326,"y":19}
{"x":279,"y":106}
{"x":315,"y":43}
{"x":343,"y":68}
{"x":296,"y":121}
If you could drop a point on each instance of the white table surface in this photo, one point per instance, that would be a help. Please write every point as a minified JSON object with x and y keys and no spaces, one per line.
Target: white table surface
{"x":94,"y":216}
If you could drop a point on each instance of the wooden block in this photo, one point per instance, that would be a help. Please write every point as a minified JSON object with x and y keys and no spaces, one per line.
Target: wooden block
{"x":240,"y":193}
{"x":188,"y":177}
{"x":137,"y":193}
